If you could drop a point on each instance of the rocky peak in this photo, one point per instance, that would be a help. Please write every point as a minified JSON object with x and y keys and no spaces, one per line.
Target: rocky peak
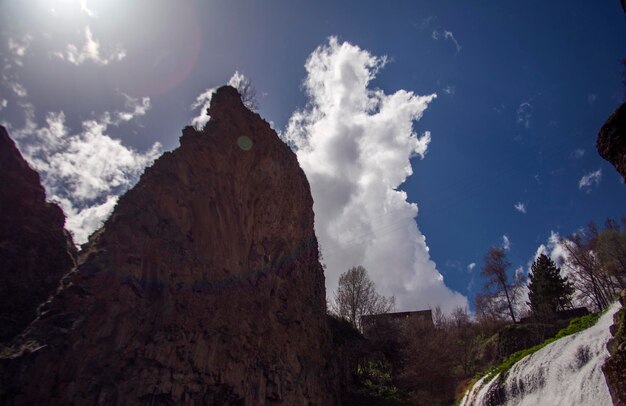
{"x":203,"y":287}
{"x":35,"y":251}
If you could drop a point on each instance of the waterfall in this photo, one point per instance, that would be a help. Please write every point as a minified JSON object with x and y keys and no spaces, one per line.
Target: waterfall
{"x":565,"y":372}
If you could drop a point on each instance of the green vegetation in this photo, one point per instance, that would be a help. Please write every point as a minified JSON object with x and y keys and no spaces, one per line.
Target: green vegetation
{"x":549,"y":292}
{"x":25,"y":348}
{"x":575,"y":326}
{"x":375,"y":385}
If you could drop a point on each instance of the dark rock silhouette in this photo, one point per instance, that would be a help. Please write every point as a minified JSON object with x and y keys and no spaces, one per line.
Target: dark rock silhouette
{"x":611,"y":142}
{"x":614,"y":367}
{"x":203,"y":287}
{"x":35,"y":251}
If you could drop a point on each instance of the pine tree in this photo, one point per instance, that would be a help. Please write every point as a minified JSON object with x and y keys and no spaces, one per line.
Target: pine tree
{"x":549,"y":292}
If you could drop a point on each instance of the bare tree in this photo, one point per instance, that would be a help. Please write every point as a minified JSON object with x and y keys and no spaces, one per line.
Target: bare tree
{"x":611,"y":249}
{"x":591,"y":276}
{"x":356,"y":297}
{"x":499,"y":292}
{"x":245,"y":89}
{"x":466,"y":341}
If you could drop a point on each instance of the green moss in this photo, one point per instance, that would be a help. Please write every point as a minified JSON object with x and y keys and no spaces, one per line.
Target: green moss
{"x":575,"y":326}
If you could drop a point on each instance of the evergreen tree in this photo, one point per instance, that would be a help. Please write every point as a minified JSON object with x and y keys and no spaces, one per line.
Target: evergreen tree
{"x":548,"y":290}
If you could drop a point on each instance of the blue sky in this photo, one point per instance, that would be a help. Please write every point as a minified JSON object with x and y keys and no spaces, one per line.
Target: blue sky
{"x":522,"y":89}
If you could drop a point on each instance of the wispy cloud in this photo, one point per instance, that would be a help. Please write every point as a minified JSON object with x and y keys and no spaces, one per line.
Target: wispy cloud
{"x":449,"y":36}
{"x":355,"y":144}
{"x":591,"y":98}
{"x":18,"y":89}
{"x":591,"y":179}
{"x":454,"y":264}
{"x":135,"y":107}
{"x":426,"y":22}
{"x":18,"y":48}
{"x":90,"y":51}
{"x":506,"y":243}
{"x":578,"y":153}
{"x":521,"y":207}
{"x":446,"y":35}
{"x":524,"y":114}
{"x":471,"y":266}
{"x":449,"y":90}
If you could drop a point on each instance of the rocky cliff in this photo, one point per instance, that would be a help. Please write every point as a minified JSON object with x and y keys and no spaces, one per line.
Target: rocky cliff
{"x":203,"y":287}
{"x":615,"y":366}
{"x":611,"y":142}
{"x":35,"y":251}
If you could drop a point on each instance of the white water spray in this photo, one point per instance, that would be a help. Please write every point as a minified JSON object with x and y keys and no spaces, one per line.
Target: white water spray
{"x":565,"y":372}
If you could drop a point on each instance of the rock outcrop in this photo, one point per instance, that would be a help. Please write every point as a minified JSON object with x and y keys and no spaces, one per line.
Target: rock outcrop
{"x":611,"y":142}
{"x":35,"y":251}
{"x":614,"y":367}
{"x":203,"y":287}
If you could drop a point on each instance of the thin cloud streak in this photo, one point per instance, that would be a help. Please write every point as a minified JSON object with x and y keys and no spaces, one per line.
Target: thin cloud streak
{"x":591,"y":179}
{"x":90,"y":51}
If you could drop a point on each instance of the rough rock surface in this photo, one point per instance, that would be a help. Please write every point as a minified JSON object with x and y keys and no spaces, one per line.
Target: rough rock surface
{"x":35,"y":251}
{"x":614,"y":367}
{"x":611,"y":142}
{"x":204,"y":287}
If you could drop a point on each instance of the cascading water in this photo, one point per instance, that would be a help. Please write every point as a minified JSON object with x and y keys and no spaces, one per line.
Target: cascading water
{"x":565,"y":372}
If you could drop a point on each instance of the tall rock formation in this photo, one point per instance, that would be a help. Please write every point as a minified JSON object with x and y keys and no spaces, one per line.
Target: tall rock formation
{"x":203,"y":287}
{"x":35,"y":251}
{"x":611,"y":141}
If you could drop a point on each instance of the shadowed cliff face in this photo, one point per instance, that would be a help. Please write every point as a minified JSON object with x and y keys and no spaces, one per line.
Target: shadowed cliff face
{"x":204,"y":286}
{"x":35,"y":251}
{"x":611,"y":142}
{"x":614,"y":367}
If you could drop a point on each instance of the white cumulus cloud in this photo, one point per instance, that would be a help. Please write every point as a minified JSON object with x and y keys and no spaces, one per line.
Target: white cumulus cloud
{"x":355,"y":144}
{"x":471,"y":266}
{"x":591,"y":179}
{"x":90,"y":51}
{"x":84,"y":171}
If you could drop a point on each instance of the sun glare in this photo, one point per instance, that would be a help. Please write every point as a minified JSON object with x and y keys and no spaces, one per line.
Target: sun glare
{"x":65,"y":8}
